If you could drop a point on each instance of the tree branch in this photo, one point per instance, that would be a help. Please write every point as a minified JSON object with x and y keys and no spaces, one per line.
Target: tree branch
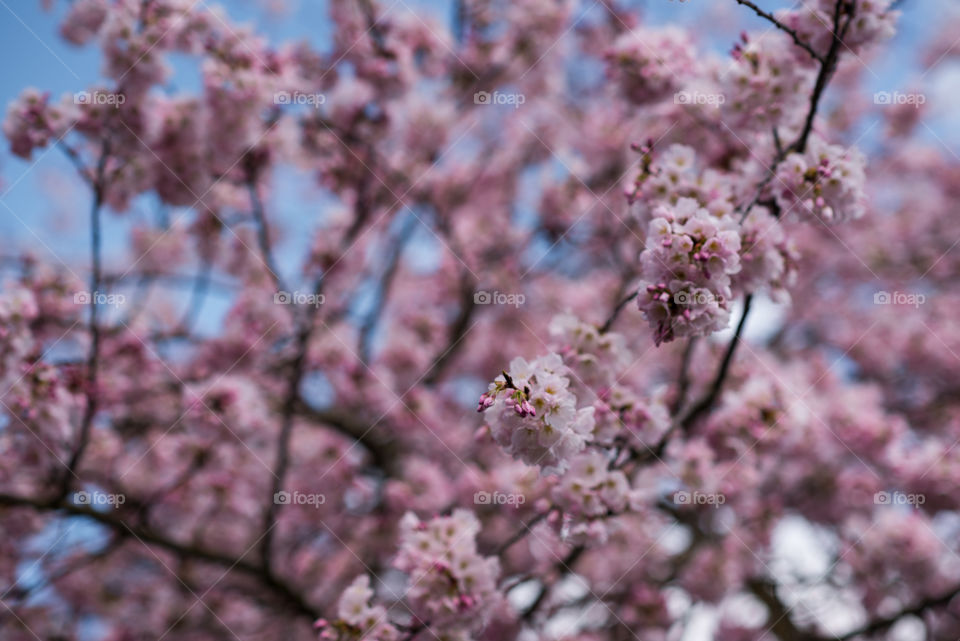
{"x":148,"y":536}
{"x":93,"y":355}
{"x":782,"y":27}
{"x":708,"y":399}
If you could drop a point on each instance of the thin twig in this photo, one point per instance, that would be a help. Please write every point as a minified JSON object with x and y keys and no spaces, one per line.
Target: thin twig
{"x":708,"y":399}
{"x":782,"y":27}
{"x":93,"y":324}
{"x":616,"y":311}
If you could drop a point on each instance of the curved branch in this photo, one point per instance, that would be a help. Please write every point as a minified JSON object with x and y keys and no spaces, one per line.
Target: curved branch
{"x":616,"y":312}
{"x":711,"y":396}
{"x":881,"y":624}
{"x":147,"y":536}
{"x":782,"y":27}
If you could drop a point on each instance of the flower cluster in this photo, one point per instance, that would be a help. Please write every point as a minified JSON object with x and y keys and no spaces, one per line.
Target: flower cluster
{"x":872,"y":21}
{"x":763,"y":84}
{"x":84,"y":20}
{"x":621,"y":413}
{"x":533,"y":414}
{"x":589,"y":491}
{"x":649,"y":64}
{"x":768,"y":259}
{"x":32,"y":123}
{"x":451,"y":585}
{"x":672,"y":175}
{"x":357,"y":618}
{"x":686,"y":268}
{"x":826,"y":182}
{"x":596,"y":357}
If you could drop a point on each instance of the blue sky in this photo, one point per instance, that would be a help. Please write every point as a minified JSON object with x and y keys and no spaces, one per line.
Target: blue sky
{"x":33,"y":197}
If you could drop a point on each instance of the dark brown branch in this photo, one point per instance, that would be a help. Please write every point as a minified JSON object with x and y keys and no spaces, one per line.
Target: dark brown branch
{"x":883,"y":623}
{"x":778,"y":613}
{"x":150,"y":537}
{"x":782,"y":27}
{"x":93,"y":323}
{"x":563,"y":567}
{"x":827,"y":66}
{"x":711,"y":396}
{"x":383,"y":452}
{"x":305,"y":328}
{"x":384,"y":285}
{"x":616,"y":312}
{"x":521,"y":532}
{"x":263,"y":233}
{"x":457,"y":330}
{"x":683,"y":380}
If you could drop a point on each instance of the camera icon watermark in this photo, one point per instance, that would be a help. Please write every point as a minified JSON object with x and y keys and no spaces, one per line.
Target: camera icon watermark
{"x":699,"y":98}
{"x":715,"y":499}
{"x":899,"y":298}
{"x":499,"y":98}
{"x":299,"y":498}
{"x":899,"y":98}
{"x":697,"y":298}
{"x":299,"y":98}
{"x":483,"y":297}
{"x":298,"y":298}
{"x":99,"y":98}
{"x":498,"y":498}
{"x":899,"y":498}
{"x":98,"y":298}
{"x":99,"y":498}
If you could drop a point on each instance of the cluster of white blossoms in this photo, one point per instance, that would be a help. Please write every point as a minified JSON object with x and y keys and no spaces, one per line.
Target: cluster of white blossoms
{"x":768,"y":258}
{"x":597,"y":358}
{"x":686,"y":267}
{"x":533,"y":414}
{"x":873,"y":21}
{"x":648,"y":64}
{"x":763,"y":84}
{"x":826,"y":182}
{"x":451,"y":585}
{"x":357,"y":619}
{"x":588,"y":492}
{"x":622,"y":413}
{"x":672,"y":174}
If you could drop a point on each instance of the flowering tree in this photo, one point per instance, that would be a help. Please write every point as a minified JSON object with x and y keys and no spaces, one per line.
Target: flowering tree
{"x":565,"y":211}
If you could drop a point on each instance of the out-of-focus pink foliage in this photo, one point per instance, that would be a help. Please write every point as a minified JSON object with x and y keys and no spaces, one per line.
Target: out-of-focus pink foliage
{"x":597,"y":196}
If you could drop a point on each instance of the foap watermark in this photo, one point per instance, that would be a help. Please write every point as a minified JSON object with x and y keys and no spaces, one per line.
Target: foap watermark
{"x":899,"y":298}
{"x":99,"y":298}
{"x":298,"y":298}
{"x":498,"y":498}
{"x":699,"y":98}
{"x":99,"y":498}
{"x":697,"y":298}
{"x":99,"y":98}
{"x":484,"y":297}
{"x":499,"y":98}
{"x":898,"y":498}
{"x":699,"y":498}
{"x":899,"y":98}
{"x":299,"y":98}
{"x":299,"y":498}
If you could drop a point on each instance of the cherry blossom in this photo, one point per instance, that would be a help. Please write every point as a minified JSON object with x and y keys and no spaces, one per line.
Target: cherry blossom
{"x":525,"y":319}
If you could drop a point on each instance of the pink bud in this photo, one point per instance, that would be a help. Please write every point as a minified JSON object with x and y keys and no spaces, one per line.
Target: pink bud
{"x":529,"y":408}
